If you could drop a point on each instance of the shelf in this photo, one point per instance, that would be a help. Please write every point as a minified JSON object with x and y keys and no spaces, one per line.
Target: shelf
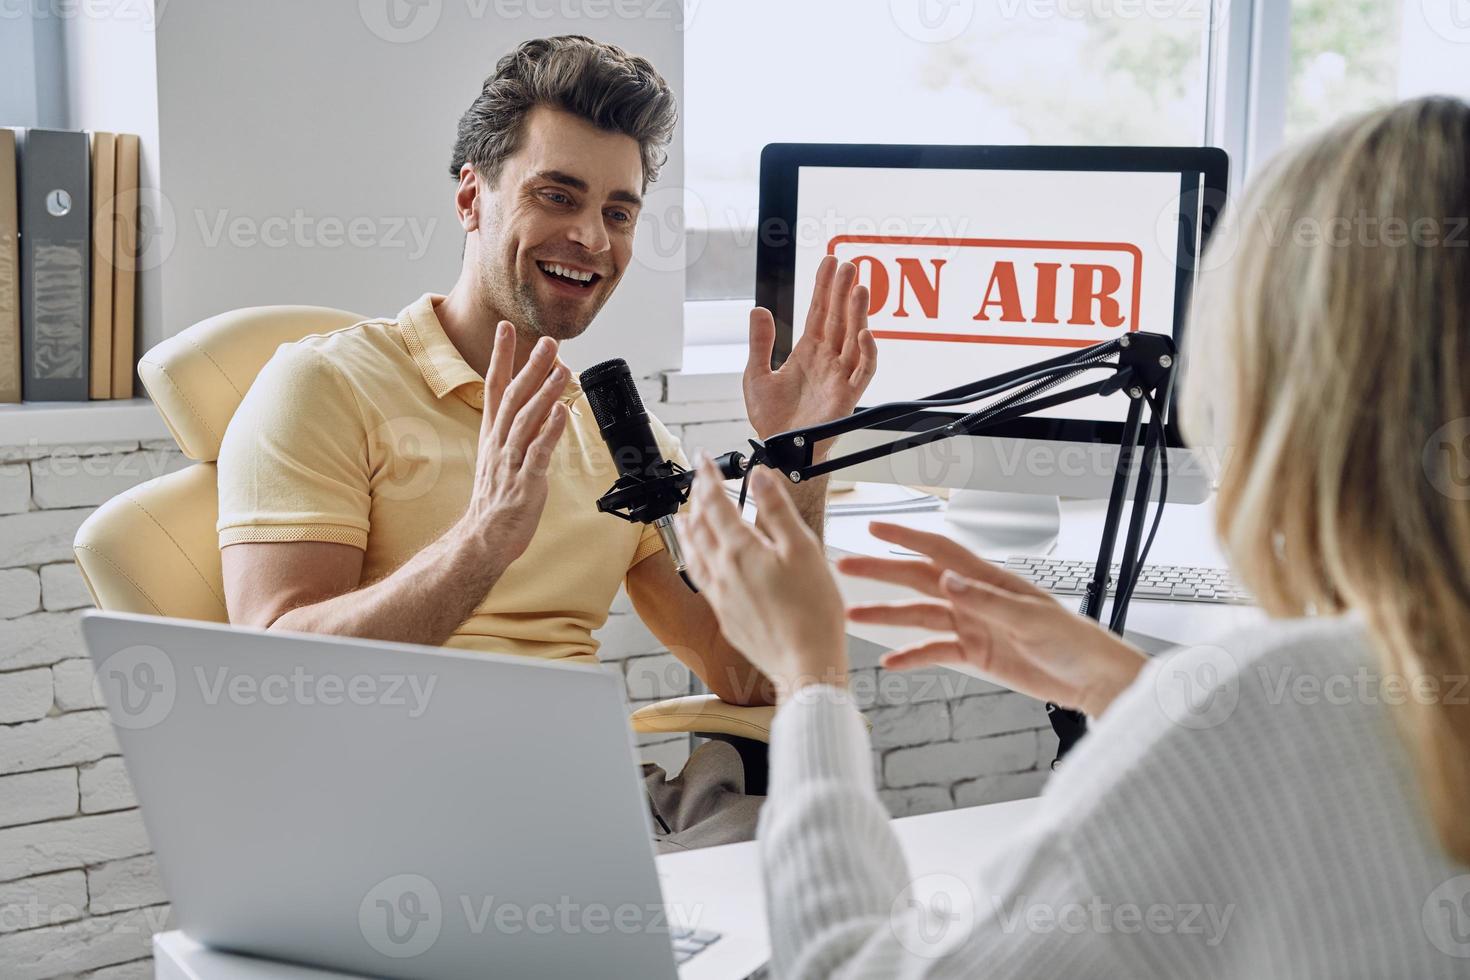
{"x":69,"y":423}
{"x":711,"y":372}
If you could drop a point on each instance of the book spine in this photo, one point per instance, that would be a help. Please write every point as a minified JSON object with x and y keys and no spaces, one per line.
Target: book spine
{"x":104,"y":203}
{"x":55,"y":222}
{"x":125,"y":265}
{"x":9,"y":271}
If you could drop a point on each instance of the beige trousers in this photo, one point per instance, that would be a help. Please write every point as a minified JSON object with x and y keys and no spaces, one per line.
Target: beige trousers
{"x":705,"y":804}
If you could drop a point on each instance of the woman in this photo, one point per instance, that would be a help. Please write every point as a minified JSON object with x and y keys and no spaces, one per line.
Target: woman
{"x":1312,"y":815}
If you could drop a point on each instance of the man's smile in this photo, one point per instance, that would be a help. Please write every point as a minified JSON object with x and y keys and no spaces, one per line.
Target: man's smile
{"x":568,"y":278}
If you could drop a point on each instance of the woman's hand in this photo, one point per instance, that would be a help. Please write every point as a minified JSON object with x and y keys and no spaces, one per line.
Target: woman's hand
{"x":1001,"y":625}
{"x":770,"y":588}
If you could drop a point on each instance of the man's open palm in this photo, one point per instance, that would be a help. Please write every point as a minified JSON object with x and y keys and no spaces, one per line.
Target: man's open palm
{"x":828,"y":369}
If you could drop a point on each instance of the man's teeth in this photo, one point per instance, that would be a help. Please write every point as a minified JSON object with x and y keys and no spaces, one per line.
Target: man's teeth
{"x":563,"y":271}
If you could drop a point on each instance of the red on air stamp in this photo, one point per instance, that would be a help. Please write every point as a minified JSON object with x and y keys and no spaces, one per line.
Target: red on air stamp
{"x":996,"y":290}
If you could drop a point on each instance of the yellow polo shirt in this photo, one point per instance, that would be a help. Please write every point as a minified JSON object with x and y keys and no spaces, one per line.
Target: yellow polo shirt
{"x":367,"y":436}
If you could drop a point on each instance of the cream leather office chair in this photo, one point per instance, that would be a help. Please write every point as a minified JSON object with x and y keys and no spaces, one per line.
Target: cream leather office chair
{"x":153,"y":549}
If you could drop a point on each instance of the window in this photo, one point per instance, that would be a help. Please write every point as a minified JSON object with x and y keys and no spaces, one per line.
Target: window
{"x":1351,"y":55}
{"x":1344,"y":58}
{"x":917,"y":71}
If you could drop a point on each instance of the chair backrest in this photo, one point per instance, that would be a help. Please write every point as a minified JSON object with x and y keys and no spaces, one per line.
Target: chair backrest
{"x":153,"y":549}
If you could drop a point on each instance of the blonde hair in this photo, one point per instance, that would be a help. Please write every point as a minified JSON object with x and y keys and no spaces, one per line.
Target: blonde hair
{"x":1329,"y":358}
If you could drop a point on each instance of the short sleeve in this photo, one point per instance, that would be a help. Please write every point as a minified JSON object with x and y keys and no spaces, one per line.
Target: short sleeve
{"x":293,"y":463}
{"x":650,"y":543}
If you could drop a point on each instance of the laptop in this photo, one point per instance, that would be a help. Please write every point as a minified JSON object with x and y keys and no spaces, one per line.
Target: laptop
{"x":391,"y":809}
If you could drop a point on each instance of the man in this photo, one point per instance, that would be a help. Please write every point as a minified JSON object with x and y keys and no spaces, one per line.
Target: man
{"x":432,"y":478}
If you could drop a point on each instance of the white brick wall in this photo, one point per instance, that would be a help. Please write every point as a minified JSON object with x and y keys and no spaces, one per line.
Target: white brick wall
{"x":79,"y":893}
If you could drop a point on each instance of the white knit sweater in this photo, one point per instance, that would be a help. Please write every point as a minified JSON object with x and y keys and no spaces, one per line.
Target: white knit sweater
{"x":1245,"y":809}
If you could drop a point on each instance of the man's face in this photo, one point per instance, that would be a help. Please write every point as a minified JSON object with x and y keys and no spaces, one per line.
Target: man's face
{"x":556,"y":228}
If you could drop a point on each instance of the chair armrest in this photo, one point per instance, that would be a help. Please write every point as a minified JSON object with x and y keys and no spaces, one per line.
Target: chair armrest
{"x":705,"y":714}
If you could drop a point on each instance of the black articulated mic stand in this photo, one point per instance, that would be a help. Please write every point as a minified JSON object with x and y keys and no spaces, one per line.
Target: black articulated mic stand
{"x":1140,"y":365}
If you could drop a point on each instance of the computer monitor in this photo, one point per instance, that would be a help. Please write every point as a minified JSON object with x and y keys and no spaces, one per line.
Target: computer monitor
{"x":983,"y":259}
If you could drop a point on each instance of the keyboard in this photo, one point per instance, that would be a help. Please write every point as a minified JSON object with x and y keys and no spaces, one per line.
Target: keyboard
{"x":688,"y":941}
{"x":1176,"y":583}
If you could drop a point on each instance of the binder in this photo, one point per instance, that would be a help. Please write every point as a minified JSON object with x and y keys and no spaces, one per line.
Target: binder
{"x":55,"y":256}
{"x":104,"y":206}
{"x":9,"y":271}
{"x":125,"y":265}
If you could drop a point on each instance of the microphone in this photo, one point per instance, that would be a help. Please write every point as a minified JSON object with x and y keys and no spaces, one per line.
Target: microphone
{"x":650,"y":482}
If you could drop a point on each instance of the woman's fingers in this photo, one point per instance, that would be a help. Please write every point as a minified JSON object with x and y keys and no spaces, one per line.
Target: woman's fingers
{"x":718,"y":512}
{"x":946,"y":551}
{"x":696,"y":556}
{"x":942,"y":651}
{"x":697,"y":535}
{"x":778,"y":514}
{"x":911,"y":573}
{"x":953,"y":555}
{"x":994,"y":605}
{"x":921,"y":613}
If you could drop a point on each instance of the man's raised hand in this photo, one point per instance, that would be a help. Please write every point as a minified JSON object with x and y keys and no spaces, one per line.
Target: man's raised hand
{"x":522,"y":421}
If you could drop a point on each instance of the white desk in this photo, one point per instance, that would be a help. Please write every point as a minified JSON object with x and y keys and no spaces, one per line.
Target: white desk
{"x":721,"y":883}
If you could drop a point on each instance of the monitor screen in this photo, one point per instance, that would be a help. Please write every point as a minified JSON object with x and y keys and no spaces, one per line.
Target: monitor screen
{"x":973,"y":271}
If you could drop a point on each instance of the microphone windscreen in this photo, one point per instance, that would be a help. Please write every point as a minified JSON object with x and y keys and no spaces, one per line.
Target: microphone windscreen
{"x":611,"y":393}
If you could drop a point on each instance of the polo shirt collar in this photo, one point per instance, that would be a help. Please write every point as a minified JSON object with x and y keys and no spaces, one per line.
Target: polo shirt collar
{"x":439,"y":361}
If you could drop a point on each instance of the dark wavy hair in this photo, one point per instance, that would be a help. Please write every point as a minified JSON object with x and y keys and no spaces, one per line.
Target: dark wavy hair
{"x":598,"y":82}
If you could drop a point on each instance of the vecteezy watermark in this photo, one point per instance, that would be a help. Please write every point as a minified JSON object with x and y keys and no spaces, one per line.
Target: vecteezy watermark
{"x":1362,"y":686}
{"x":1360,"y":229}
{"x":933,"y":915}
{"x":400,"y":21}
{"x":1197,"y":687}
{"x":955,"y":462}
{"x":1203,"y":11}
{"x":1281,"y":226}
{"x":145,"y":13}
{"x":1446,"y":459}
{"x":304,"y":687}
{"x":402,"y":916}
{"x":666,"y":215}
{"x":1364,"y":230}
{"x":1446,"y":917}
{"x":154,"y":228}
{"x":1203,"y":919}
{"x":301,"y":230}
{"x":821,"y":229}
{"x":134,"y":465}
{"x":1450,"y":19}
{"x":865,"y":688}
{"x":675,"y":218}
{"x":407,"y":21}
{"x":932,"y":21}
{"x":28,"y":906}
{"x":1198,"y":208}
{"x":141,"y":686}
